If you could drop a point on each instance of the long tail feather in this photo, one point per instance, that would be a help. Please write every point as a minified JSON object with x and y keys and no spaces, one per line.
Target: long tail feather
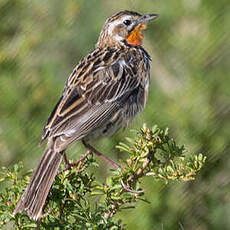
{"x":34,"y":197}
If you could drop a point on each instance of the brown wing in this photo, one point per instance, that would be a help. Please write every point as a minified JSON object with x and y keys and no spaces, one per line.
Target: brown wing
{"x":93,"y":92}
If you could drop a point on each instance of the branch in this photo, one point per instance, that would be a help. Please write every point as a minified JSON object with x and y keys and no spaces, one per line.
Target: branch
{"x":153,"y":153}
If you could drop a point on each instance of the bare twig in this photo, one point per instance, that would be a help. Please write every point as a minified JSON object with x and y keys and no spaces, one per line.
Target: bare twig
{"x":126,"y":187}
{"x":46,"y":214}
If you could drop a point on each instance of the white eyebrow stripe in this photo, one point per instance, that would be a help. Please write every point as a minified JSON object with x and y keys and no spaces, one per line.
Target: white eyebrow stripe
{"x":115,"y":23}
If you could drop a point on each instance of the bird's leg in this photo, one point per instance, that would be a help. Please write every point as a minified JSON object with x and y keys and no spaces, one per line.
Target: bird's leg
{"x":81,"y":159}
{"x":69,"y":165}
{"x":92,"y":149}
{"x":66,"y":162}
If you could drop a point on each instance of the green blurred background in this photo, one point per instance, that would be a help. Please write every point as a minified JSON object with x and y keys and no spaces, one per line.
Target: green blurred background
{"x":41,"y":42}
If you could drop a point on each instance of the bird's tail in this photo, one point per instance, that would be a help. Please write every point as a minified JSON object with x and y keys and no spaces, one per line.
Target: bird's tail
{"x":34,"y":197}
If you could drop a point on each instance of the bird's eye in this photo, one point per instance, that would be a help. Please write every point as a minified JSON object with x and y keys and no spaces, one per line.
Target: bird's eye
{"x":127,"y":22}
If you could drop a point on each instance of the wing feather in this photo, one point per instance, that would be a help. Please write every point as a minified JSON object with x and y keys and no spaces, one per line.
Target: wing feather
{"x":92,"y":93}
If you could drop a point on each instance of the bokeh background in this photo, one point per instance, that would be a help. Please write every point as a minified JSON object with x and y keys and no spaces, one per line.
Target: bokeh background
{"x":41,"y":42}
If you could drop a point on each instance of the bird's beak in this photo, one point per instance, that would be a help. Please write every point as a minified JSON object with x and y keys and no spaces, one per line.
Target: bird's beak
{"x":135,"y":36}
{"x":145,"y":18}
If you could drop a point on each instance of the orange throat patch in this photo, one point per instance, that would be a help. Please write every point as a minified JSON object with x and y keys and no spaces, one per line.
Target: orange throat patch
{"x":135,"y":37}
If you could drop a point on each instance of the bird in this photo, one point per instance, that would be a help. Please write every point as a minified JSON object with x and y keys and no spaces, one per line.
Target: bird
{"x":103,"y":94}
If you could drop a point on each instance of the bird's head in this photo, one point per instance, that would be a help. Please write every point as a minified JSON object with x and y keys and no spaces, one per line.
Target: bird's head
{"x":124,"y":27}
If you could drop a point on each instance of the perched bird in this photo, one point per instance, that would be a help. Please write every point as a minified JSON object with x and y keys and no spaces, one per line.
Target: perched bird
{"x":103,"y":94}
